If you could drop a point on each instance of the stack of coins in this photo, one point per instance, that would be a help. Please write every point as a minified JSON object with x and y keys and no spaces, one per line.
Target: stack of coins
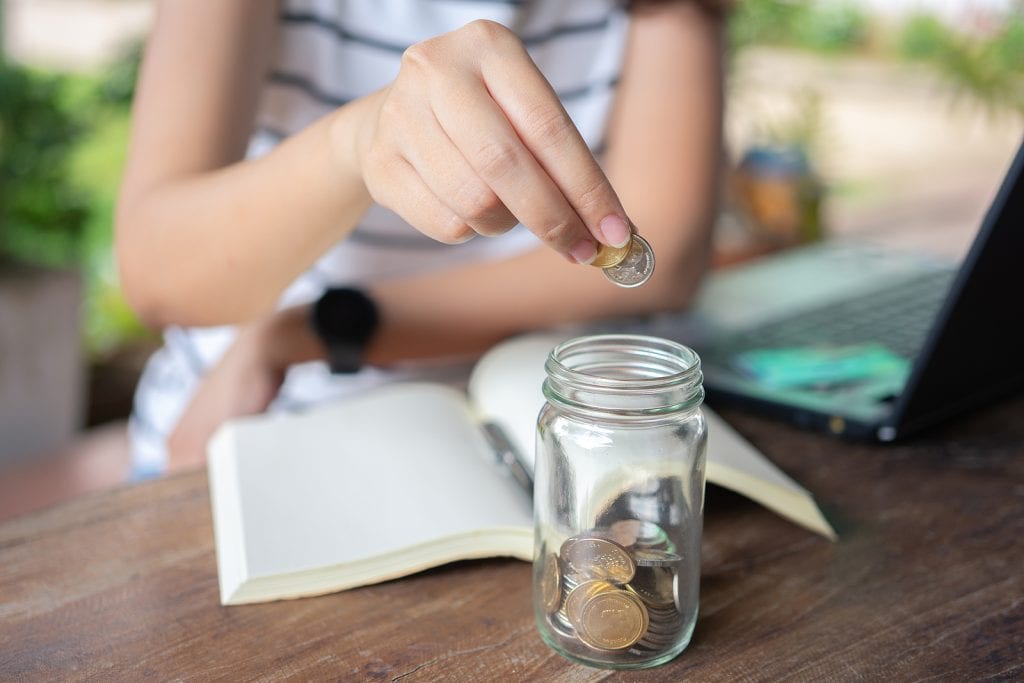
{"x":613,"y":589}
{"x":627,"y":266}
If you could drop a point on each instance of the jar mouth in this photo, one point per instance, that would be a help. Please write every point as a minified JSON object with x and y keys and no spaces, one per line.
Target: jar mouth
{"x":623,"y":372}
{"x":624,"y":361}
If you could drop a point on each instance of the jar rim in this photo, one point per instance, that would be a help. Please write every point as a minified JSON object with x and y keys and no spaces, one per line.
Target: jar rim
{"x":663,"y":351}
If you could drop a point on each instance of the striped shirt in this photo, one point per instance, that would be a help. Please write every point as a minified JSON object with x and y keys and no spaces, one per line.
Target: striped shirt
{"x":333,"y":51}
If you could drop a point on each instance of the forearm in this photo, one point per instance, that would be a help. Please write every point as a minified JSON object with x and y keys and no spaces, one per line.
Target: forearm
{"x":462,"y":312}
{"x":258,"y":222}
{"x":665,"y":154}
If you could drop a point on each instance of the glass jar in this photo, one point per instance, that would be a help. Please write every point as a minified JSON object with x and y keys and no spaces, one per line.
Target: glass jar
{"x":619,"y":500}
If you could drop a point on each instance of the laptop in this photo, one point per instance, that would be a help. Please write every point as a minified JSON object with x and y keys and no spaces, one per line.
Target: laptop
{"x":863,"y":342}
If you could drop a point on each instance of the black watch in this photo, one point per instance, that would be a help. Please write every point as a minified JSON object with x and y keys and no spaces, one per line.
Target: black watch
{"x":345,"y":319}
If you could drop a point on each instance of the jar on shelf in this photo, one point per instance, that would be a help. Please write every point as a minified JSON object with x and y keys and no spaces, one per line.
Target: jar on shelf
{"x":618,"y":500}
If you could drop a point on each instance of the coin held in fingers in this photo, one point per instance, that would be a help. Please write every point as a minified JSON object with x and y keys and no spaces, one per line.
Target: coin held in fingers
{"x":636,"y":267}
{"x":608,"y":256}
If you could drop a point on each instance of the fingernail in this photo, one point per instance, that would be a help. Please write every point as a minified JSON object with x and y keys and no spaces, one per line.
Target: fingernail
{"x":584,"y":252}
{"x":615,"y":230}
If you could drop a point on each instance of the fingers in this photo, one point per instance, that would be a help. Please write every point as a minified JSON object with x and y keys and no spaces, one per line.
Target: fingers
{"x":452,"y":181}
{"x":498,"y":157}
{"x":541,"y":122}
{"x":470,"y":138}
{"x":407,"y":194}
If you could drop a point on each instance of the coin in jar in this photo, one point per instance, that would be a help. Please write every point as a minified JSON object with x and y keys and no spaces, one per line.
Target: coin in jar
{"x":655,"y":585}
{"x":613,"y":620}
{"x":636,"y":268}
{"x":631,"y":533}
{"x":550,"y":583}
{"x":579,"y":596}
{"x":651,"y":557}
{"x":597,"y":558}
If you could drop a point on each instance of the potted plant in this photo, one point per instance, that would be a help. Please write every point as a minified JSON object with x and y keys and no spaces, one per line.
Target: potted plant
{"x":42,"y":217}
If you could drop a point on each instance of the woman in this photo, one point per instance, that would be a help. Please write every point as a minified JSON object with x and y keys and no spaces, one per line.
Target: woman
{"x":283,"y":149}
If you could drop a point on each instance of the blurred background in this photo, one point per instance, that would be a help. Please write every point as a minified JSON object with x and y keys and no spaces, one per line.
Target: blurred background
{"x":889,"y":120}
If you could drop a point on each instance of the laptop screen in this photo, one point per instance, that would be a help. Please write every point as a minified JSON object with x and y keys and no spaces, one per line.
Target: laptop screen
{"x":975,"y":350}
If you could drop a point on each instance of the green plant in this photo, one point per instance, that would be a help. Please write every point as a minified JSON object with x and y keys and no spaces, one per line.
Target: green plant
{"x":923,"y":36}
{"x":1008,"y":47}
{"x":63,"y":139}
{"x":831,"y":27}
{"x":985,"y":69}
{"x":764,"y":22}
{"x":96,"y":166}
{"x":117,"y":83}
{"x":42,"y":212}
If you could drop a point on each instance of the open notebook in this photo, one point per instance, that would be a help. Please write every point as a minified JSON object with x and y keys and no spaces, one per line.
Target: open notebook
{"x":409,"y":476}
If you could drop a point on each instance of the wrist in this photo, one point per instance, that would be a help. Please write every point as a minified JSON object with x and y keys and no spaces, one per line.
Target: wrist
{"x":285,"y":338}
{"x":350,"y":130}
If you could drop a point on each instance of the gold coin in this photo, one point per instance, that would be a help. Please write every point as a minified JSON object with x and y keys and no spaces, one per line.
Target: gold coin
{"x":597,"y":558}
{"x":550,"y":584}
{"x":608,"y":256}
{"x":579,"y":596}
{"x":613,"y":620}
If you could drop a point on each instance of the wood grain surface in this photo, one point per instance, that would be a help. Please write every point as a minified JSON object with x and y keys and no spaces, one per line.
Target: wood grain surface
{"x":926,"y":583}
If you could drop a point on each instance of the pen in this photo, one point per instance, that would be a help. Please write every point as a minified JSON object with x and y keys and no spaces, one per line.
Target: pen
{"x":506,"y":454}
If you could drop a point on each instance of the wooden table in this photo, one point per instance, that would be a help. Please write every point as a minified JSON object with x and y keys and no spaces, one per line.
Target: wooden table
{"x":927,"y":582}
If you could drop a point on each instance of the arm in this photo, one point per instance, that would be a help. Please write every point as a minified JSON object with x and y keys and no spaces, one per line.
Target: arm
{"x":469,"y":139}
{"x":192,"y":218}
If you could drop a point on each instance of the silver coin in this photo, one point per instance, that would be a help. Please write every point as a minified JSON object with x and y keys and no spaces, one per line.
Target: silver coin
{"x":631,"y":533}
{"x":636,"y":268}
{"x":649,"y":557}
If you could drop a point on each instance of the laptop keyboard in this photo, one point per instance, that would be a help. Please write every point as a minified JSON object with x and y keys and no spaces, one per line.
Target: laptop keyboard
{"x":898,"y":317}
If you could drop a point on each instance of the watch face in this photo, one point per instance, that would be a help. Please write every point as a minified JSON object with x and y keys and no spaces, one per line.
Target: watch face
{"x":345,"y":320}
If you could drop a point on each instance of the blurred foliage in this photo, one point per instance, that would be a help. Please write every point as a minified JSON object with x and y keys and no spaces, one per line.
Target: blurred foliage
{"x":922,"y":36}
{"x":117,"y":83}
{"x":985,"y":69}
{"x":822,"y":26}
{"x":97,"y":165}
{"x":801,"y":126}
{"x":63,"y":140}
{"x":763,"y":22}
{"x":832,"y":26}
{"x":981,"y":66}
{"x":43,"y":212}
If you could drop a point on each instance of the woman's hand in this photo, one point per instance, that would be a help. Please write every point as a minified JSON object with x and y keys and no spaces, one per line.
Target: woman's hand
{"x":470,"y":139}
{"x":244,"y":382}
